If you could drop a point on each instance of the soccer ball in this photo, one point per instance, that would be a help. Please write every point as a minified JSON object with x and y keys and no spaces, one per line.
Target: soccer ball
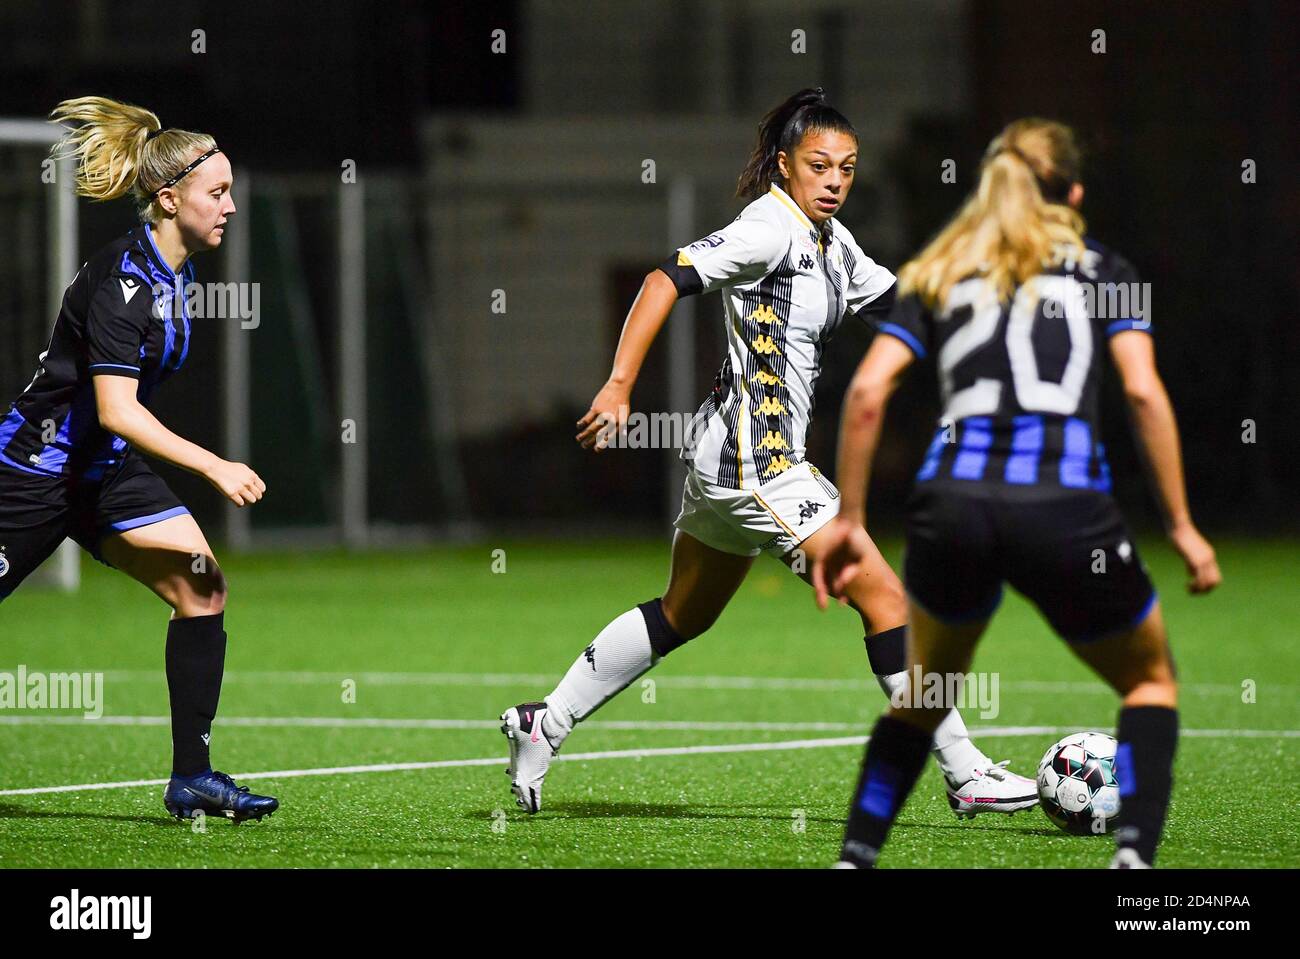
{"x":1077,"y":786}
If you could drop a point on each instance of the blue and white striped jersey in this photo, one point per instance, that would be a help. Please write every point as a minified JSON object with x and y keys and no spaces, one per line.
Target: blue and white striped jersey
{"x":1020,"y":379}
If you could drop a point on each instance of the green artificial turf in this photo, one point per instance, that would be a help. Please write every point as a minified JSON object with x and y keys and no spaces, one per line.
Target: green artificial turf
{"x":438,"y":635}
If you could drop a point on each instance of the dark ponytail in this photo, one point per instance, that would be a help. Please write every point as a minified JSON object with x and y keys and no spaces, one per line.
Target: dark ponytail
{"x":781,"y":131}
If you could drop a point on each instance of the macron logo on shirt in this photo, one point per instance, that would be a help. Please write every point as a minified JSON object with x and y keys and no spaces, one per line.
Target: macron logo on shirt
{"x":129,"y":289}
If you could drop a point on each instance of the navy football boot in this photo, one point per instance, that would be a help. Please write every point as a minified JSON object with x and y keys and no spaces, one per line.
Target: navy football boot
{"x":215,"y":794}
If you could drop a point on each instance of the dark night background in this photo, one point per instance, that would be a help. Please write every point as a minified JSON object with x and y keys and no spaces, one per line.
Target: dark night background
{"x":1184,"y":95}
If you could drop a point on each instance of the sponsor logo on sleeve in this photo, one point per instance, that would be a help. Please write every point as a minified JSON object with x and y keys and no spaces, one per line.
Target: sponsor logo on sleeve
{"x":708,"y":243}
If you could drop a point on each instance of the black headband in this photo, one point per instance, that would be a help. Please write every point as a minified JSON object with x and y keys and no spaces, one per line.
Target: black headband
{"x":1056,"y":188}
{"x":151,"y":134}
{"x":1014,"y":151}
{"x":180,"y":176}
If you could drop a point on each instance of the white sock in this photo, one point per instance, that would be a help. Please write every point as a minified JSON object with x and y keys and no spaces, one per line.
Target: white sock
{"x":613,"y":661}
{"x":952,"y":749}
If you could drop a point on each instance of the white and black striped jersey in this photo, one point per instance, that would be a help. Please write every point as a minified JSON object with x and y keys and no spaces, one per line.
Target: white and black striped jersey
{"x":786,"y":286}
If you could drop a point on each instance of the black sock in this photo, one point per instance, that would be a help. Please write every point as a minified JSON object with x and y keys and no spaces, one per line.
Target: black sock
{"x":196,"y":661}
{"x":1144,"y":766}
{"x":887,"y":651}
{"x":895,"y":757}
{"x":663,"y":638}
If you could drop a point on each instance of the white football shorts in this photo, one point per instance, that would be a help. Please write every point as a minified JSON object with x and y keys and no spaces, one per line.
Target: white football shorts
{"x":774,"y":518}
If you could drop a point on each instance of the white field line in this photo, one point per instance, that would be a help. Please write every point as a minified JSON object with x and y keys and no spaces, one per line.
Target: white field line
{"x":987,"y":731}
{"x":784,"y":683}
{"x":343,"y":722}
{"x":685,"y":725}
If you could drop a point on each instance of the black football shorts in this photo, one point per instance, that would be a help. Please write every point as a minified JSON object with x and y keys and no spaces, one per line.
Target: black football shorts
{"x":1067,"y":551}
{"x":38,"y":512}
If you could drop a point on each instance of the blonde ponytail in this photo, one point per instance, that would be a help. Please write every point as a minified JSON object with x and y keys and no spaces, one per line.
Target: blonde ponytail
{"x":1015,"y":225}
{"x":120,"y":148}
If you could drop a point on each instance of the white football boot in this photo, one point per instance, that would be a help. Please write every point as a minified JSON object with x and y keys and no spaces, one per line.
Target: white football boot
{"x":992,"y":788}
{"x":530,"y":753}
{"x":1127,"y":858}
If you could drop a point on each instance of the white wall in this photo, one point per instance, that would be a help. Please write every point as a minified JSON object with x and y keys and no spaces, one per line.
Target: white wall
{"x":543,"y":204}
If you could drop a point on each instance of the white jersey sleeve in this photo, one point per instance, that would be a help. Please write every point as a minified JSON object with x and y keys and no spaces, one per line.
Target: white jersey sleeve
{"x":747,"y":249}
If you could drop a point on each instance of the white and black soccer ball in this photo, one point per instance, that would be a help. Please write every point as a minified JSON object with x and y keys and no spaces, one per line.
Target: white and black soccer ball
{"x":1077,"y":787}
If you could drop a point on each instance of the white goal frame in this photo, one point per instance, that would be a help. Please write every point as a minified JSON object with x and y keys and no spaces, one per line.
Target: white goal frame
{"x":64,"y":568}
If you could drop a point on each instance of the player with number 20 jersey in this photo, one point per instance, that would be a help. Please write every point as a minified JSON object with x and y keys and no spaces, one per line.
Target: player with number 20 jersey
{"x":1018,"y":310}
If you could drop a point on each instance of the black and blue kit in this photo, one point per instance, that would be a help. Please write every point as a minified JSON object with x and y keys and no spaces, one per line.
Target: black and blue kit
{"x":62,"y":474}
{"x":1015,"y":486}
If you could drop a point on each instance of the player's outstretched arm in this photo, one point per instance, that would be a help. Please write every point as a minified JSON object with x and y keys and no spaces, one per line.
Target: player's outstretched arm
{"x":644,"y":321}
{"x":860,"y":422}
{"x":1157,"y":430}
{"x":121,"y":413}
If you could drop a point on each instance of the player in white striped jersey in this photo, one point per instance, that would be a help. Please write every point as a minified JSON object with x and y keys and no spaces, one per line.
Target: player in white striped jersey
{"x":789,"y":273}
{"x":786,"y":286}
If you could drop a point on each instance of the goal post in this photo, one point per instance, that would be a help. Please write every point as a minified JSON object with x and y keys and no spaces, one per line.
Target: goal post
{"x":31,"y":140}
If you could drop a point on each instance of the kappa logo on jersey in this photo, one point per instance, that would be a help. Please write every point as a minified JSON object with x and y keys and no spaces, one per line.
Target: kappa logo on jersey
{"x":805,"y":262}
{"x":764,"y":315}
{"x":590,"y":653}
{"x":779,"y":465}
{"x":808,"y":510}
{"x":129,"y":289}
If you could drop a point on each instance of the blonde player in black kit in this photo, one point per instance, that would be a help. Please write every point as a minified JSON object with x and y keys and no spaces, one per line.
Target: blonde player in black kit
{"x":1016,"y":306}
{"x":789,"y":273}
{"x":71,"y":443}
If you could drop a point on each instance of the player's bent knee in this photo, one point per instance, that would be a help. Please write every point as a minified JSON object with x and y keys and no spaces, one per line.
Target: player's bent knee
{"x":1156,"y":692}
{"x":198,"y":594}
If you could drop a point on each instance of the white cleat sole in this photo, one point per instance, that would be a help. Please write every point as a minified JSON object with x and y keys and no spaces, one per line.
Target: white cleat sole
{"x":966,"y":809}
{"x":514,"y":749}
{"x":528,"y":797}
